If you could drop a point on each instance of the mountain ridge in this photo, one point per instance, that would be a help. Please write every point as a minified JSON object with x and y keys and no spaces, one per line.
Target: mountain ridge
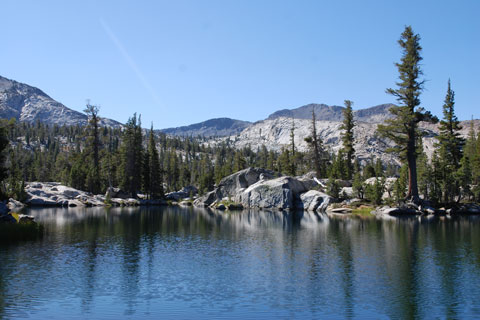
{"x":30,"y":104}
{"x":211,"y":127}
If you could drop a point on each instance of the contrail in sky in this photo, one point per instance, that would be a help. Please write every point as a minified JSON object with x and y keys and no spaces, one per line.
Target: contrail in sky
{"x":130,"y":61}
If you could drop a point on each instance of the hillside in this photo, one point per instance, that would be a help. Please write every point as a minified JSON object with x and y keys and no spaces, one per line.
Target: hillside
{"x":213,"y":127}
{"x":30,"y":104}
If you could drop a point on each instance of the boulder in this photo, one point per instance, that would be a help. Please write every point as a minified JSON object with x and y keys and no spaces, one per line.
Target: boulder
{"x":400,"y":211}
{"x":116,"y":193}
{"x":41,"y":201}
{"x":347,"y":191}
{"x":221,"y":206}
{"x":186,"y":192}
{"x":23,"y":218}
{"x":313,"y":200}
{"x":234,"y":184}
{"x":339,"y":210}
{"x":206,"y":200}
{"x":242,"y":179}
{"x":14,"y":204}
{"x":279,"y":193}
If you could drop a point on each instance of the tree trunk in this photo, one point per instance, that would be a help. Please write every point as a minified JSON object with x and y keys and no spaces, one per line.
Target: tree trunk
{"x":412,"y":194}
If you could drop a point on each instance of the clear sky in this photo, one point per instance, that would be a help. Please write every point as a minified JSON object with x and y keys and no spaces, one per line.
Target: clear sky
{"x":181,"y":62}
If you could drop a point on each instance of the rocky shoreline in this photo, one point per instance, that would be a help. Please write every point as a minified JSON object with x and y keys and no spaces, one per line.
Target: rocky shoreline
{"x":249,"y":188}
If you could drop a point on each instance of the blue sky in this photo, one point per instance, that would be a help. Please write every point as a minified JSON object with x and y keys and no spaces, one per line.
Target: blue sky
{"x":181,"y":62}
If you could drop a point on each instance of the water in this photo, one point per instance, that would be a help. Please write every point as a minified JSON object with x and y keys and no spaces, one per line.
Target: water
{"x":153,"y":263}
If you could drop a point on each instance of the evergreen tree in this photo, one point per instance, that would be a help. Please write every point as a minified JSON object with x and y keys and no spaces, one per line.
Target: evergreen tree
{"x":316,"y":148}
{"x":369,"y":170}
{"x":400,"y":185}
{"x":449,"y":137}
{"x":333,"y":189}
{"x":347,"y":137}
{"x":450,"y":148}
{"x":374,"y":192}
{"x":293,"y":168}
{"x":402,"y":129}
{"x":155,"y":186}
{"x":3,"y":147}
{"x":379,"y":171}
{"x":463,"y":178}
{"x":131,"y":156}
{"x":358,"y":185}
{"x":93,"y":148}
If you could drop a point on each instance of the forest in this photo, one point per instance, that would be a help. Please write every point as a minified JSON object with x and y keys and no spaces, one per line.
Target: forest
{"x":142,"y":161}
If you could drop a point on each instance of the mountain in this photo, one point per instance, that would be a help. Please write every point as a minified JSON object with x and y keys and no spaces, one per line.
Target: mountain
{"x":323,"y":112}
{"x":214,"y":127}
{"x":30,"y":104}
{"x":222,"y":127}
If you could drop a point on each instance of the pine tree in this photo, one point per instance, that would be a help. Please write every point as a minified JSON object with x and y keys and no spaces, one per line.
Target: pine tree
{"x":333,"y":189}
{"x":347,"y":136}
{"x":379,"y":171}
{"x":3,"y":146}
{"x":155,"y":181}
{"x":131,"y":156}
{"x":316,"y":148}
{"x":449,"y":137}
{"x":400,"y":185}
{"x":374,"y":192}
{"x":402,"y":129}
{"x":450,"y":148}
{"x":293,"y":168}
{"x":358,"y":185}
{"x":93,"y":149}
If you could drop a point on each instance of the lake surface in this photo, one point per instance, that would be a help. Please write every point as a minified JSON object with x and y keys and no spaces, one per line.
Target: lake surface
{"x":158,"y":263}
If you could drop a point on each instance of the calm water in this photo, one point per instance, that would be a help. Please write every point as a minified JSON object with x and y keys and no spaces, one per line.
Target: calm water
{"x":190,"y":263}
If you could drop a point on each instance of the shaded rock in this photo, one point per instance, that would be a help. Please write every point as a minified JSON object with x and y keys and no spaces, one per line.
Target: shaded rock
{"x":221,"y":206}
{"x":43,"y":202}
{"x":23,"y":218}
{"x":313,"y":200}
{"x":116,"y":193}
{"x":208,"y":199}
{"x":400,"y":211}
{"x":186,"y":192}
{"x":185,"y":203}
{"x":235,"y":206}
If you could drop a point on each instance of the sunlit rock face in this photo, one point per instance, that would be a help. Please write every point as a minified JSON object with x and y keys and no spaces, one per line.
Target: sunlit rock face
{"x":30,"y":104}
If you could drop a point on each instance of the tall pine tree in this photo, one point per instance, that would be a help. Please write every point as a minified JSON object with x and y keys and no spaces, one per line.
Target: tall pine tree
{"x":402,"y":129}
{"x":347,"y":136}
{"x":93,"y":149}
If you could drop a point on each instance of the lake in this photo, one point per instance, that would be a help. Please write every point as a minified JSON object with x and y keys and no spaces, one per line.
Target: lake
{"x":169,"y":262}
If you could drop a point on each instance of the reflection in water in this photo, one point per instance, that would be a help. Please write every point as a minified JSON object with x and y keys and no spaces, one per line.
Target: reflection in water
{"x":190,"y":263}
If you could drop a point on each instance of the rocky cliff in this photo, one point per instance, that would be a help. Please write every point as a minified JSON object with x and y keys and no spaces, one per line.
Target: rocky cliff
{"x":30,"y":104}
{"x":275,"y":134}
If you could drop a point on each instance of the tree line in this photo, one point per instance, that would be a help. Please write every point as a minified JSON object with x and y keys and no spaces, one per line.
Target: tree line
{"x":94,"y":158}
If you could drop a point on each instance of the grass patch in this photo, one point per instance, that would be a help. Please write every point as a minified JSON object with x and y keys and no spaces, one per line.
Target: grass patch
{"x":363,"y":212}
